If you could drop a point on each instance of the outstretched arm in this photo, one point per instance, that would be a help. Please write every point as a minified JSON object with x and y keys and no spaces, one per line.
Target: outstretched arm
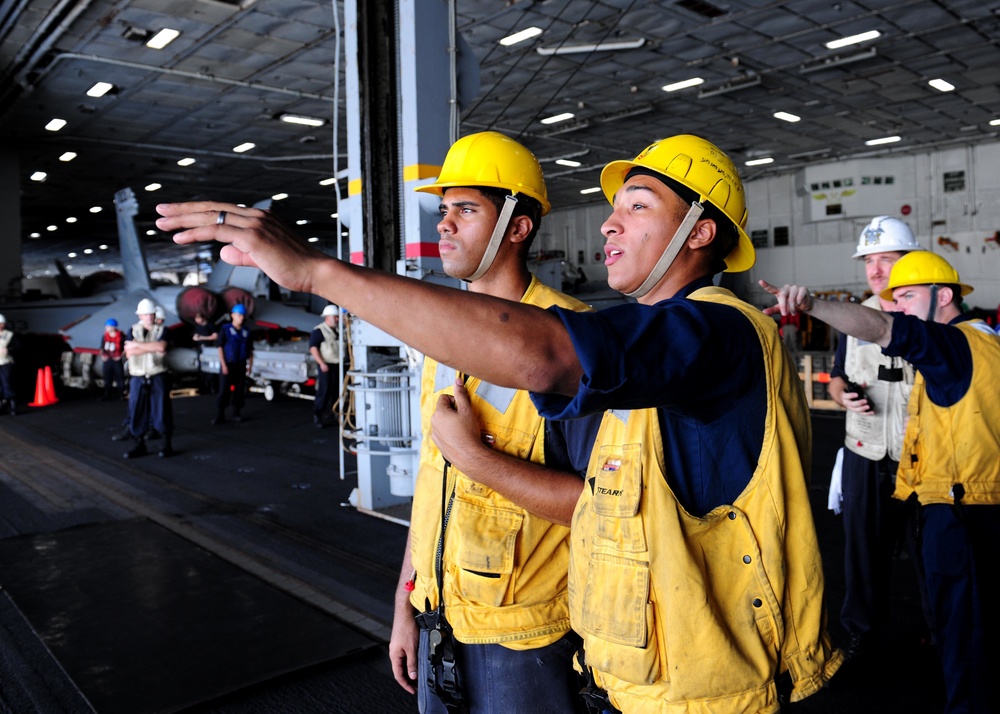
{"x":475,"y":334}
{"x":850,"y":318}
{"x":543,"y":492}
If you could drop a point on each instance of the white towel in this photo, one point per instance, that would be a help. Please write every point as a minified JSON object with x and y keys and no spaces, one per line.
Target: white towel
{"x":836,"y":496}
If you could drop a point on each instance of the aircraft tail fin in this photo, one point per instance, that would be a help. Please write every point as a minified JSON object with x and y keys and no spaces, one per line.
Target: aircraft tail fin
{"x":134,"y":267}
{"x":64,"y":281}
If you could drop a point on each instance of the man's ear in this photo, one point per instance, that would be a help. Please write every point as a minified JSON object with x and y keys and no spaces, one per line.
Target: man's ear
{"x":945,"y":295}
{"x":702,"y":235}
{"x":519,"y":228}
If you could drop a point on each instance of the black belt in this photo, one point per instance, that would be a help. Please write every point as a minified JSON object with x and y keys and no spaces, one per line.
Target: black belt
{"x":890,"y":374}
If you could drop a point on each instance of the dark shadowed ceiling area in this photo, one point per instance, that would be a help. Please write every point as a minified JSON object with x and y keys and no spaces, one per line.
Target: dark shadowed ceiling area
{"x":236,"y":68}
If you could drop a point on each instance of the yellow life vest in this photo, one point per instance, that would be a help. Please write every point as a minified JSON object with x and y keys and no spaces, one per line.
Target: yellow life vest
{"x":151,"y":363}
{"x":504,"y":569}
{"x":697,"y":615}
{"x":959,"y":444}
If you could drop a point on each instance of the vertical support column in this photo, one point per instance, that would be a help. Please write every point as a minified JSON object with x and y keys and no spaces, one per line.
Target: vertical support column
{"x":426,"y":103}
{"x":10,"y":229}
{"x":401,"y":116}
{"x":373,"y":131}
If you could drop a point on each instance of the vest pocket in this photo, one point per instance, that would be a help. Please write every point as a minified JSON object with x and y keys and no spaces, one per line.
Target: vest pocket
{"x":483,"y":552}
{"x":618,"y":486}
{"x":617,"y":618}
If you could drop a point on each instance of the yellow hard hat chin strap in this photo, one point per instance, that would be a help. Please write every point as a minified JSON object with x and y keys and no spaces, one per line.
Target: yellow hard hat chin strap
{"x":510,"y":202}
{"x":670,"y":252}
{"x":933,"y":307}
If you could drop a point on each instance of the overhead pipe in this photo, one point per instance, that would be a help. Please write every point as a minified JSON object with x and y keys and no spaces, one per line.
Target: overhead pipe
{"x":190,"y":75}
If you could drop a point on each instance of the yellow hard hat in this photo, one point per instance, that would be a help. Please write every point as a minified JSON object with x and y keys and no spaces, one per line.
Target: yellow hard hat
{"x":491,"y":159}
{"x":921,"y":267}
{"x":702,"y":167}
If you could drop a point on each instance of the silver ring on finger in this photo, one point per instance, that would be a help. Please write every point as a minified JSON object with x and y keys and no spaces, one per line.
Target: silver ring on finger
{"x":221,"y":219}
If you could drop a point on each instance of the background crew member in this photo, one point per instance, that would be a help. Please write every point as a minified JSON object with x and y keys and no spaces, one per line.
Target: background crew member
{"x":873,"y":519}
{"x":112,"y":361}
{"x":324,"y":346}
{"x":149,"y":406}
{"x":235,"y":363}
{"x":506,"y":604}
{"x":8,"y":346}
{"x":205,"y":334}
{"x":708,"y":491}
{"x":951,"y":455}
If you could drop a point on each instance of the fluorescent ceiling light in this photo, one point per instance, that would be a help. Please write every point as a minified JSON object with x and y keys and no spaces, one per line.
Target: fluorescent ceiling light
{"x":154,"y":187}
{"x":314,"y":239}
{"x":96,"y":209}
{"x":683,"y":84}
{"x":51,"y":228}
{"x":71,"y":255}
{"x":88,"y":251}
{"x":163,"y":38}
{"x":68,"y":156}
{"x":151,"y":232}
{"x":301,"y":222}
{"x":599,"y":47}
{"x":36,"y":235}
{"x":56,"y":124}
{"x":279,"y":196}
{"x":853,"y":39}
{"x":100,"y":89}
{"x":71,"y":219}
{"x":334,"y":215}
{"x":103,"y":246}
{"x":568,"y":162}
{"x":592,"y":189}
{"x":246,"y":146}
{"x":883,"y":140}
{"x":995,"y":122}
{"x":39,"y":176}
{"x":558,"y":118}
{"x":521,"y":36}
{"x":941,"y":85}
{"x":303,"y":120}
{"x":760,"y":162}
{"x":186,"y":161}
{"x":785,"y":116}
{"x":328,"y":181}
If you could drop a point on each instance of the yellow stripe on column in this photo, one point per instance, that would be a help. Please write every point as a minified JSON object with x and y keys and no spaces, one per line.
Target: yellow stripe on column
{"x":416,"y":172}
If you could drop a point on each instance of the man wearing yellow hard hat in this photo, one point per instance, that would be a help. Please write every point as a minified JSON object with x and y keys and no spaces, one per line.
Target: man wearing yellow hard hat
{"x":695,"y":576}
{"x":486,"y":571}
{"x":950,"y":462}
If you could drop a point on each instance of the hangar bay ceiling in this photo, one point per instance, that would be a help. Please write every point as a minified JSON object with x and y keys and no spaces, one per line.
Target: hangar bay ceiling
{"x":759,"y":78}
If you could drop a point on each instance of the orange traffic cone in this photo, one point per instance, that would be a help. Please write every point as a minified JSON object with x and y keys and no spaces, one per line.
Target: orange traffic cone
{"x":50,"y":387}
{"x":39,"y":391}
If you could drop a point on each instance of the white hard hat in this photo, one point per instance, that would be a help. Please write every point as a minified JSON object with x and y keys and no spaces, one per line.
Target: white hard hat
{"x":160,"y":313}
{"x":885,"y":234}
{"x":329,"y":310}
{"x":146,"y":307}
{"x":3,"y":320}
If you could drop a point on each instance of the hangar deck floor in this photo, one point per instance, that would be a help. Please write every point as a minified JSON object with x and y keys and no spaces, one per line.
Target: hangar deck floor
{"x":234,"y":578}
